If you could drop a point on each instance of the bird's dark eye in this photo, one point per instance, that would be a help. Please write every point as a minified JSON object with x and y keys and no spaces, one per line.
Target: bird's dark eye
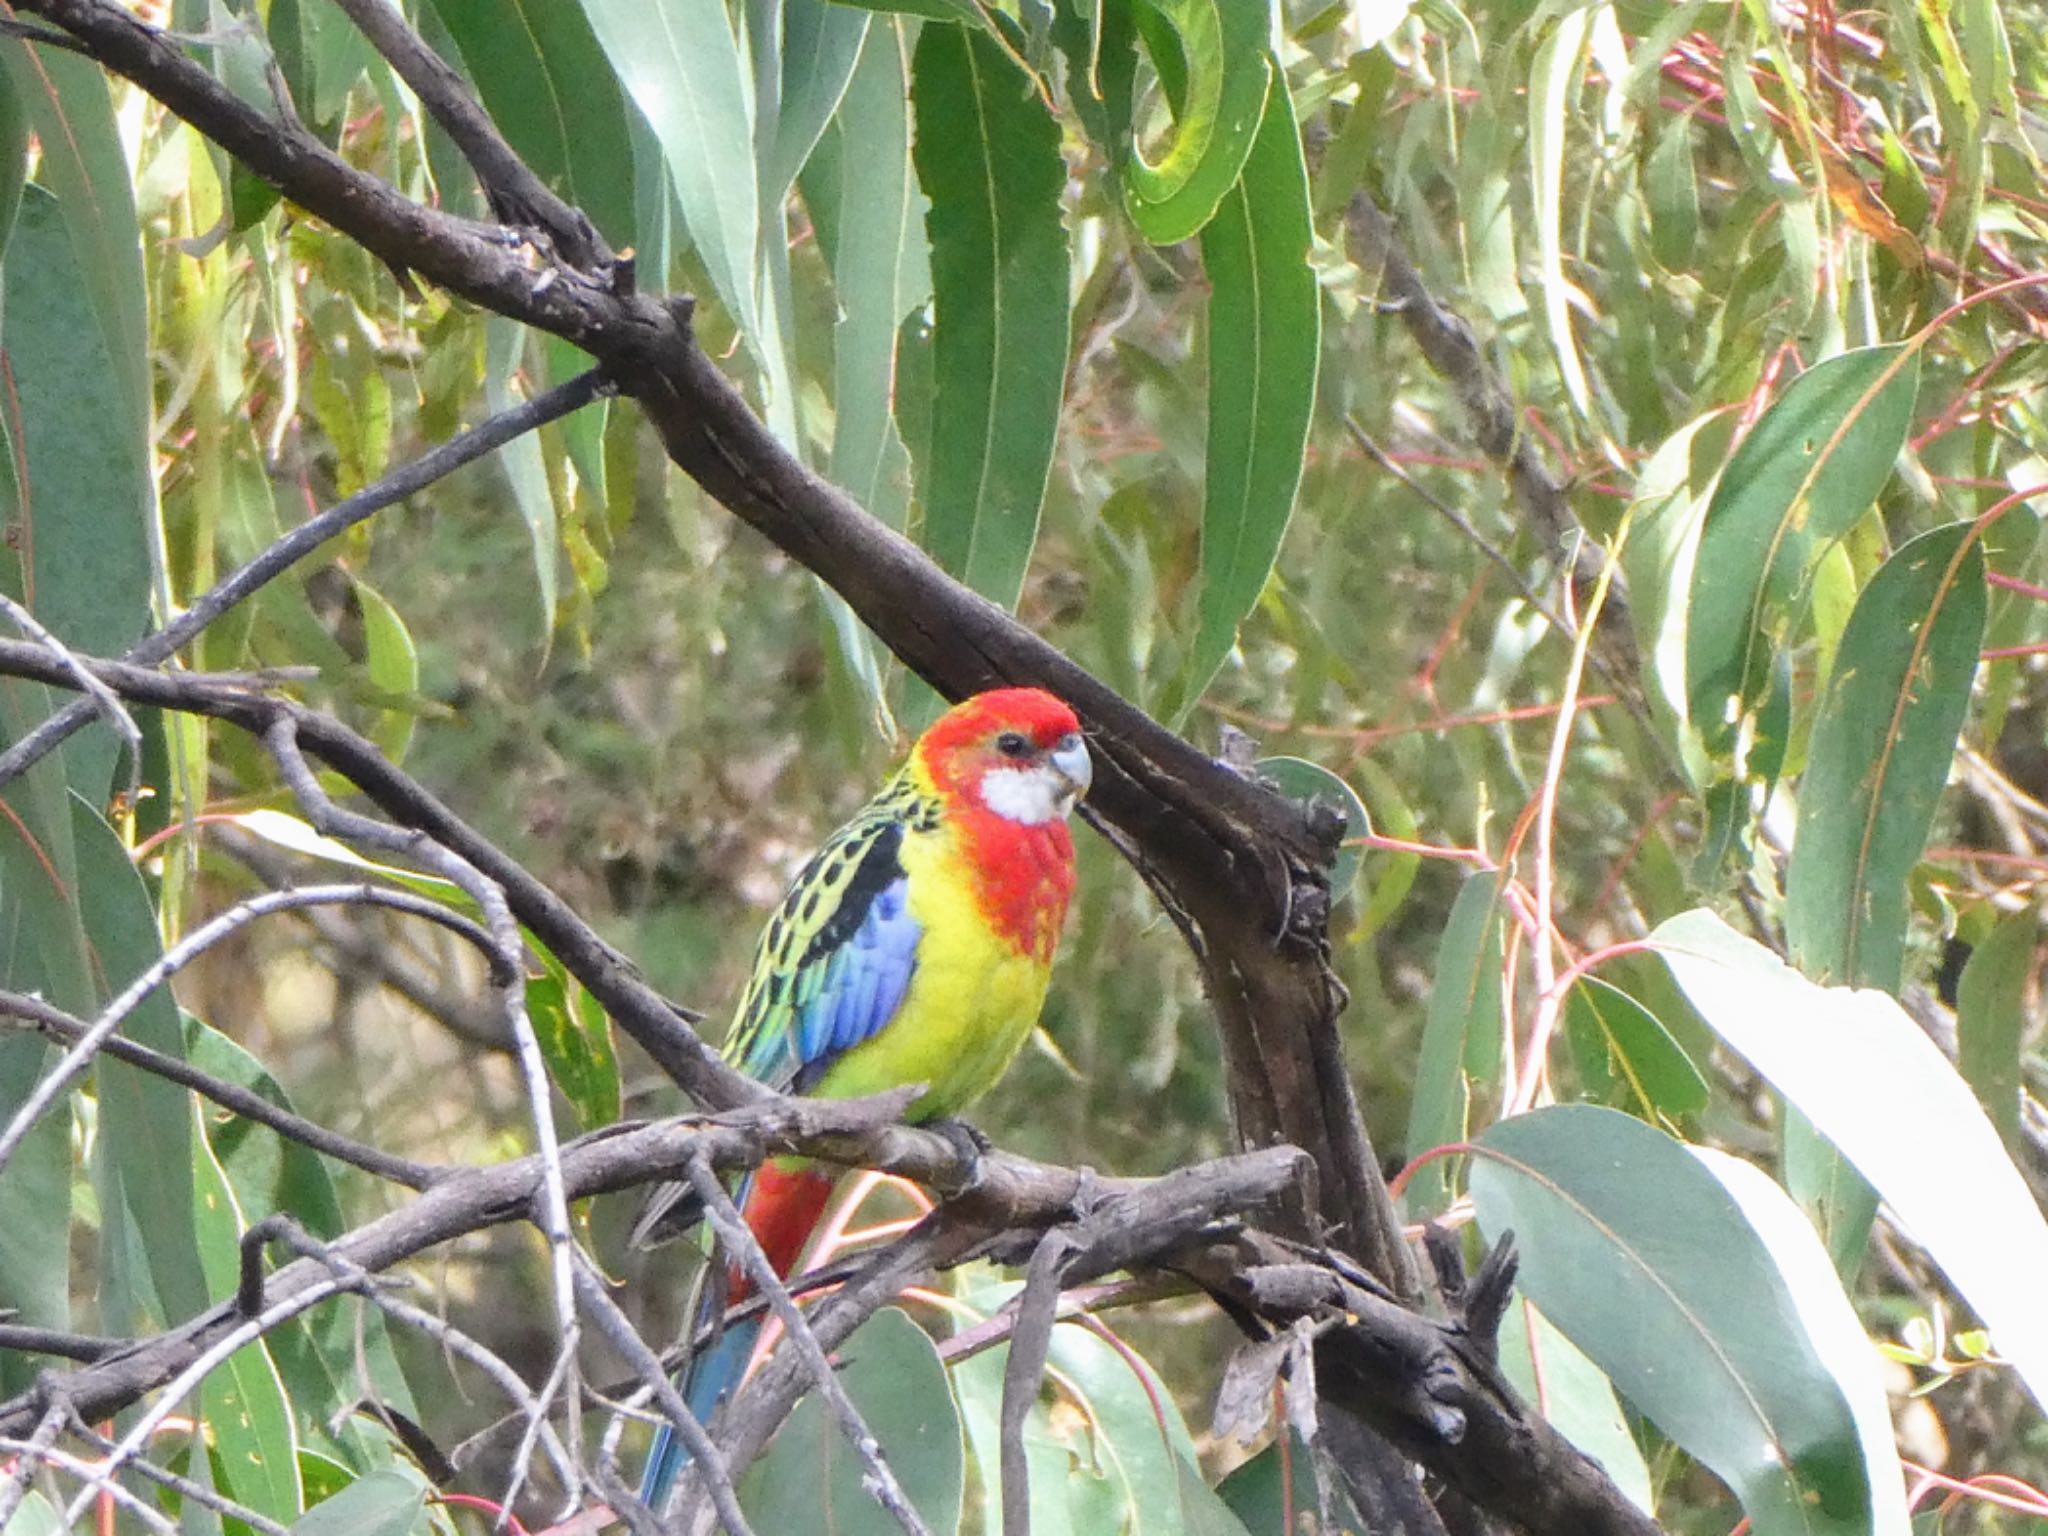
{"x":1012,"y":744}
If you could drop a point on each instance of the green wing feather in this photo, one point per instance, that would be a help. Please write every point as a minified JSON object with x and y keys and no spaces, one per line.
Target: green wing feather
{"x":806,"y":1001}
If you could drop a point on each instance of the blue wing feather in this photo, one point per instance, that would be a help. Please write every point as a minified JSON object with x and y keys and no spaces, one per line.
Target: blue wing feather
{"x":860,"y":984}
{"x":837,"y":959}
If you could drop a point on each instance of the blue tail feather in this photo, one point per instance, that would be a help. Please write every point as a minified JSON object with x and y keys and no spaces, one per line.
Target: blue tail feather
{"x":708,"y":1378}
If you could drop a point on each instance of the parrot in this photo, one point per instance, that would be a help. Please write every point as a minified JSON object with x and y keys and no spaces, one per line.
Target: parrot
{"x":914,"y":947}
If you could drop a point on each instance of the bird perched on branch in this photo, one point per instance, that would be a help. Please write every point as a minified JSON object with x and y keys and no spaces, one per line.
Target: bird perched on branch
{"x":914,"y":947}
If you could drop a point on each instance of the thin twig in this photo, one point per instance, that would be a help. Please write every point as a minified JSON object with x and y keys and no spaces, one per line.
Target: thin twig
{"x":1448,"y":345}
{"x":739,"y":1241}
{"x":185,"y":1487}
{"x":43,"y":35}
{"x":245,"y":1102}
{"x":187,"y":1381}
{"x":407,"y":480}
{"x":101,"y":696}
{"x":89,"y":1473}
{"x":706,"y":1461}
{"x":283,"y":1228}
{"x":551,"y":1213}
{"x":1036,"y":1307}
{"x":65,"y":1345}
{"x":1462,"y":523}
{"x":188,"y":949}
{"x":501,"y":1373}
{"x":423,"y":978}
{"x":32,"y":1450}
{"x":1543,"y":946}
{"x":657,"y":1025}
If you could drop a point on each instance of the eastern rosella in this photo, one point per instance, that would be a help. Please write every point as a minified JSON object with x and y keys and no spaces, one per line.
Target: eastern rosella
{"x":914,"y":947}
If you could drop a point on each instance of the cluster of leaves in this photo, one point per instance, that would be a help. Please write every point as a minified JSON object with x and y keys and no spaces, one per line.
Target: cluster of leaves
{"x":1063,"y":290}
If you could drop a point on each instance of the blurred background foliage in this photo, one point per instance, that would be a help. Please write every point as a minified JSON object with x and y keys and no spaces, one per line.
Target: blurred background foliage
{"x":1653,"y":219}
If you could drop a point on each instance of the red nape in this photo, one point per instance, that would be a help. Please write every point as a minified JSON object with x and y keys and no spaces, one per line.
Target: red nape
{"x":783,"y":1208}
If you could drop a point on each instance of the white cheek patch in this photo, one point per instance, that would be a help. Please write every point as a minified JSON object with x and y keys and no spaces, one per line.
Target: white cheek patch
{"x":1029,"y":796}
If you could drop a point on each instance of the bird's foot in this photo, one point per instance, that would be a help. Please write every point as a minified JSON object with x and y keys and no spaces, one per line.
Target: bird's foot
{"x":968,"y":1144}
{"x":1088,"y":1194}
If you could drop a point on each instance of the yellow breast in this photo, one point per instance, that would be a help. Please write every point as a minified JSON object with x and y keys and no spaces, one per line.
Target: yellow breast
{"x":972,"y":1002}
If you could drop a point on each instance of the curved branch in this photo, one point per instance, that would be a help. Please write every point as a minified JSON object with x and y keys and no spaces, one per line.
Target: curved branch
{"x":654,"y":1022}
{"x":250,"y":1105}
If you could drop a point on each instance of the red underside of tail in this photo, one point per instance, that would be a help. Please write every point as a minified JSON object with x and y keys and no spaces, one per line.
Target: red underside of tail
{"x":783,"y":1207}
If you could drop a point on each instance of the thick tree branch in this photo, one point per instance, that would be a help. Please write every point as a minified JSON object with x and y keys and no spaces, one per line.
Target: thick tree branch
{"x":1007,"y":1190}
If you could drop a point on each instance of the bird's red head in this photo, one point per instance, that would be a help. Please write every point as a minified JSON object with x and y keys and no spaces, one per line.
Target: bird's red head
{"x":1017,"y":752}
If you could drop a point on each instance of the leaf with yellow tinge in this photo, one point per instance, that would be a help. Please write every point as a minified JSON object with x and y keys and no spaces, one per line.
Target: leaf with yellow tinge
{"x":1211,"y":57}
{"x":1883,"y":743}
{"x":1800,"y":480}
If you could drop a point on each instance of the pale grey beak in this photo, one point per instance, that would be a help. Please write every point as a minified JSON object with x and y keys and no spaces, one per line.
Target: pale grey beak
{"x":1070,"y":761}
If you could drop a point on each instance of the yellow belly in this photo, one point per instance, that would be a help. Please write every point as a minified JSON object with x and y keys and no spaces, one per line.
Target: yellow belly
{"x":972,"y":1001}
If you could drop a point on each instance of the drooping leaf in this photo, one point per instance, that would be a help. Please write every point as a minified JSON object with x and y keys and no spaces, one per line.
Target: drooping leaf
{"x":248,"y":1418}
{"x":66,"y":101}
{"x":1299,"y":779}
{"x":1123,"y":1462}
{"x":84,"y":525}
{"x":1141,"y":1433}
{"x":393,"y":664}
{"x":384,"y":1503}
{"x":1640,"y":1256}
{"x":145,"y":1175}
{"x":1831,"y":1323}
{"x":1578,"y":1399}
{"x":1211,"y":56}
{"x":1798,"y":482}
{"x":1880,"y":754}
{"x":1099,"y":40}
{"x":1628,"y":1056}
{"x":547,"y":85}
{"x":1264,"y":335}
{"x":1852,"y":1062}
{"x":1391,"y":875}
{"x":524,"y":469}
{"x":319,"y":1356}
{"x":680,"y":63}
{"x":1464,"y":1000}
{"x":1262,"y":1490}
{"x":821,"y":46}
{"x":575,"y":1040}
{"x":1063,"y":1483}
{"x":1672,"y":191}
{"x":1882,"y":746}
{"x":988,"y":157}
{"x":880,"y":269}
{"x":1991,"y":1018}
{"x":1552,"y":77}
{"x":43,"y":950}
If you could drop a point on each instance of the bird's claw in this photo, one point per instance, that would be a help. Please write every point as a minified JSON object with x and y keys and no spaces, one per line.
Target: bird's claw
{"x":1088,"y":1193}
{"x":968,"y":1144}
